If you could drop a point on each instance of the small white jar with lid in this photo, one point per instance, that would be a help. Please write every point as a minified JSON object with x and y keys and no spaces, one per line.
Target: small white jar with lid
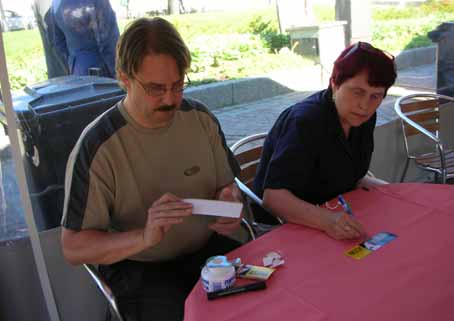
{"x":218,"y":274}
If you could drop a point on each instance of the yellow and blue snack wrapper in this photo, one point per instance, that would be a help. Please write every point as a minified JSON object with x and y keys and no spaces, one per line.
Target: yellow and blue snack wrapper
{"x":362,"y":250}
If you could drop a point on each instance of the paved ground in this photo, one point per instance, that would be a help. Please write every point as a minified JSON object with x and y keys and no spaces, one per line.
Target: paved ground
{"x":237,"y":122}
{"x":246,"y":119}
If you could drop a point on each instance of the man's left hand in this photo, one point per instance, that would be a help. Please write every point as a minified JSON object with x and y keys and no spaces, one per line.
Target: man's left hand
{"x":227,"y":225}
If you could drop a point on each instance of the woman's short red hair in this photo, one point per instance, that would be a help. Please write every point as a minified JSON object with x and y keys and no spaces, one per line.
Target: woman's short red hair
{"x":361,"y":57}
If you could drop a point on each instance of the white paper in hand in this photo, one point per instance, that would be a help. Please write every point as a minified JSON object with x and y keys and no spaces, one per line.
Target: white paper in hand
{"x":215,"y":208}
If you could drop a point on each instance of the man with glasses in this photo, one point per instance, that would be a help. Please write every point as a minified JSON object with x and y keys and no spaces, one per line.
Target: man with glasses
{"x":130,"y":171}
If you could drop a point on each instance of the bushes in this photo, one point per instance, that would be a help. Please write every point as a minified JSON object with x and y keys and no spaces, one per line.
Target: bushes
{"x":269,"y":32}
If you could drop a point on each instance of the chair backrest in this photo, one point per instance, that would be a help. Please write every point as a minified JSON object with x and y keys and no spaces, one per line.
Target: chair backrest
{"x":425,"y":112}
{"x":420,"y":115}
{"x":247,"y":152}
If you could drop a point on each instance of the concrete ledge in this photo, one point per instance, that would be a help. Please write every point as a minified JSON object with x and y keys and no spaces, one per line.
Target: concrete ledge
{"x":416,"y":57}
{"x":232,"y":92}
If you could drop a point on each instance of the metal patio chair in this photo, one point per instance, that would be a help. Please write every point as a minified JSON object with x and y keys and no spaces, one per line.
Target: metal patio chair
{"x":248,"y":151}
{"x":105,"y":290}
{"x":420,"y":115}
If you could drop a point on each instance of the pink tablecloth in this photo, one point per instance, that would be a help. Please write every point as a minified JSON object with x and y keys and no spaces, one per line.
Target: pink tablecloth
{"x":411,"y":278}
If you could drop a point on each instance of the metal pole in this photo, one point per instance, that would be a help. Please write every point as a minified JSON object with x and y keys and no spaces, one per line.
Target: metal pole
{"x":2,"y":15}
{"x":24,"y":193}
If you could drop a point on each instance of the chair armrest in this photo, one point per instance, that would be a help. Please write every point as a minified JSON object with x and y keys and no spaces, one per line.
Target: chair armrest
{"x":105,"y":289}
{"x":246,"y":190}
{"x":252,"y":196}
{"x":249,"y":228}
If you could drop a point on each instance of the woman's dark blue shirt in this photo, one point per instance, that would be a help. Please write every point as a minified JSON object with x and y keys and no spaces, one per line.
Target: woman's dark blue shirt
{"x":307,"y":153}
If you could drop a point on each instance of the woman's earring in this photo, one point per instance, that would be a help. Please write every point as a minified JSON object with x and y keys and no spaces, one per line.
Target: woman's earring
{"x":334,"y":97}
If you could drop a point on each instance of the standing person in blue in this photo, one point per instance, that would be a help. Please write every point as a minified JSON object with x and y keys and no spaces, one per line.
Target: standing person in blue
{"x":322,"y":146}
{"x":55,"y":62}
{"x":86,"y":33}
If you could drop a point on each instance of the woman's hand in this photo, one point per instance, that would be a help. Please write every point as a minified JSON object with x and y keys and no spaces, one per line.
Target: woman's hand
{"x":342,"y":226}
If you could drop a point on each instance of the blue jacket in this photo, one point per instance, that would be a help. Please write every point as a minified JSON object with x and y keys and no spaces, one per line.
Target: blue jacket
{"x":85,"y":33}
{"x":306,"y":152}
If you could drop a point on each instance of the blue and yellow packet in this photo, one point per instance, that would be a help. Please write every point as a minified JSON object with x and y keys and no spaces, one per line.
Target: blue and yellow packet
{"x":362,"y":250}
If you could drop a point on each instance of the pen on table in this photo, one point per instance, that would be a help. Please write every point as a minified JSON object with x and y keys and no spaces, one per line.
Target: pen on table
{"x":345,"y":205}
{"x":239,"y":289}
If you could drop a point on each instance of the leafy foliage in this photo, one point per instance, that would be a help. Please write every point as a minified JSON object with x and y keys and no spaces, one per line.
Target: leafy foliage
{"x":268,"y":31}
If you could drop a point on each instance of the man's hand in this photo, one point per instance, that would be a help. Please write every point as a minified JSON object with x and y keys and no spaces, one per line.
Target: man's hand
{"x":229,"y":193}
{"x":168,"y":210}
{"x":342,"y":226}
{"x":227,"y":225}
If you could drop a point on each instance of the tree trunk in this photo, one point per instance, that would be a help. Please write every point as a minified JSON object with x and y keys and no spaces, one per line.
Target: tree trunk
{"x":278,"y":17}
{"x":173,"y":6}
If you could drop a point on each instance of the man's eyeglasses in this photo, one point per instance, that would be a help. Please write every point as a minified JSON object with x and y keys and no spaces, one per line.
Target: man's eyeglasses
{"x":156,"y":90}
{"x":368,"y":48}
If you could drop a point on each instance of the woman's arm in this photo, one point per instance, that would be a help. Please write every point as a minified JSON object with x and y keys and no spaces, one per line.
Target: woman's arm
{"x":370,"y":181}
{"x":337,"y":225}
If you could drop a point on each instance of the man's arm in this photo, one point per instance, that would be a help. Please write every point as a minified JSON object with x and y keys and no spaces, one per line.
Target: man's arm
{"x":100,"y":247}
{"x":294,"y":210}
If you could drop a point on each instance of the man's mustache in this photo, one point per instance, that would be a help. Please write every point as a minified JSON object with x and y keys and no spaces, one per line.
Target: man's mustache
{"x":166,"y":108}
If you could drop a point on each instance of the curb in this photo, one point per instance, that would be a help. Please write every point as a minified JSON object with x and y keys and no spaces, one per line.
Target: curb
{"x":416,"y":57}
{"x":234,"y":92}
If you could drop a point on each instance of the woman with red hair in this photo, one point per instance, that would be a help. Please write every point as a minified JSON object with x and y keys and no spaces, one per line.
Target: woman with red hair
{"x":322,"y":146}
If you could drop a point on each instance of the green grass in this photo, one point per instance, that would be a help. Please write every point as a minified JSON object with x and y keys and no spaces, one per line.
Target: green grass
{"x":397,"y":35}
{"x":25,"y":57}
{"x":229,"y":45}
{"x":197,"y":24}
